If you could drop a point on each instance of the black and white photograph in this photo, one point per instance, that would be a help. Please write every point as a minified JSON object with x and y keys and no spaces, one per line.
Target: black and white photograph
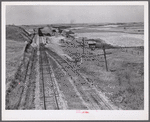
{"x":85,"y":57}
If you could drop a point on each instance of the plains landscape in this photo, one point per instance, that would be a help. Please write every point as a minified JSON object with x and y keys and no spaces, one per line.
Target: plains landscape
{"x":74,"y":57}
{"x":53,"y":67}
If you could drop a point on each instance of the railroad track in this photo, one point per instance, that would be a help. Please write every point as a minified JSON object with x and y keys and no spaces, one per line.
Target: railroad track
{"x":89,"y":94}
{"x":27,"y":96}
{"x":49,"y":93}
{"x":18,"y":91}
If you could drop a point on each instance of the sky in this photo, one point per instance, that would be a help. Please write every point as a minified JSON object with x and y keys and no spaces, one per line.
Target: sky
{"x":52,"y":14}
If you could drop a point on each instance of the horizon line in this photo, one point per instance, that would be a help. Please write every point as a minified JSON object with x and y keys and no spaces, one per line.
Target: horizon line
{"x":76,"y":23}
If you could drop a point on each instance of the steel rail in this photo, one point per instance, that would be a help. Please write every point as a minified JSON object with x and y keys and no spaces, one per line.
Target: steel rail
{"x":52,"y":82}
{"x":43,"y":56}
{"x":42,"y":79}
{"x":60,"y":61}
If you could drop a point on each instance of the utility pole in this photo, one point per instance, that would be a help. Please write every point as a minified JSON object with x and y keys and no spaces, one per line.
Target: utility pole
{"x":83,"y":45}
{"x":105,"y":57}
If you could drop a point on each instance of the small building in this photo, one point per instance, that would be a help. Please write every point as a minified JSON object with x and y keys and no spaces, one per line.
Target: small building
{"x":92,"y":44}
{"x":40,"y":32}
{"x":48,"y":31}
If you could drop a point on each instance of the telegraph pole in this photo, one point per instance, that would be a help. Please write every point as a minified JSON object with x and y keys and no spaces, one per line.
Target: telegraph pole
{"x":83,"y":45}
{"x":105,"y":58}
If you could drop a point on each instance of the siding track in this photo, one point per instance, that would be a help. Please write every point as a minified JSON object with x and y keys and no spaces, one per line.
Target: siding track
{"x":88,"y":92}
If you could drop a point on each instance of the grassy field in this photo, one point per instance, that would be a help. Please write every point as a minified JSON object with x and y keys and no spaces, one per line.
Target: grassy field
{"x":14,"y":50}
{"x":123,"y":83}
{"x":14,"y":53}
{"x":15,"y":33}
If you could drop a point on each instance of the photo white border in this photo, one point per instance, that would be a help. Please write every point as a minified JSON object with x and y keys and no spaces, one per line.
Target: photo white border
{"x":71,"y":114}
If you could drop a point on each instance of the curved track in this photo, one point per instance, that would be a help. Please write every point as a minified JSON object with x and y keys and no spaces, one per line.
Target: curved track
{"x":87,"y":93}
